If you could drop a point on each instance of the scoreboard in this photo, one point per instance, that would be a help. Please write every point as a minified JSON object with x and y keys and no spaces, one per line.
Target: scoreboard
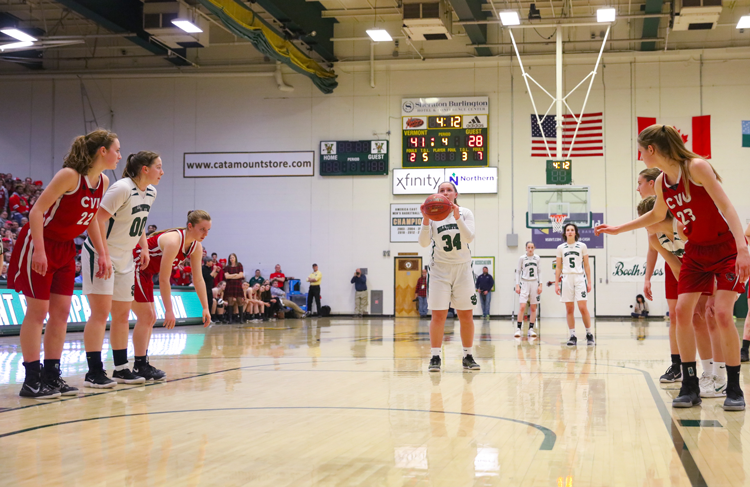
{"x":354,"y":158}
{"x":445,"y":132}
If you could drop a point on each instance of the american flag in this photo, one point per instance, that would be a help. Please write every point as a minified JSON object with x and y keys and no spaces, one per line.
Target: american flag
{"x":588,"y":141}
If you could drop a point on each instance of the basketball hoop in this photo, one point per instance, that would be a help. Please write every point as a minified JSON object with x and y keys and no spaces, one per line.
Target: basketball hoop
{"x":557,"y":222}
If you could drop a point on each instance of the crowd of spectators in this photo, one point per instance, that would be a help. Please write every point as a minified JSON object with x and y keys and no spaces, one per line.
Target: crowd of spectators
{"x":17,"y":197}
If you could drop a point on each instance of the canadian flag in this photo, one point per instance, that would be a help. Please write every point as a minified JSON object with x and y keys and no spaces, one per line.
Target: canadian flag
{"x":695,"y":131}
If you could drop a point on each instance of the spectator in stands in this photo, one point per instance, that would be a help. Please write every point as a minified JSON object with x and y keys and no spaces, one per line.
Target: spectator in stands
{"x":4,"y":271}
{"x":278,"y":293}
{"x":217,"y":261}
{"x":641,"y":307}
{"x":18,"y":202}
{"x":219,"y":308}
{"x":182,"y":274}
{"x":314,"y":292}
{"x":234,"y":295}
{"x":79,"y":276}
{"x":360,"y":293}
{"x":421,"y":294}
{"x":256,"y":279}
{"x":278,"y":277}
{"x":254,"y":305}
{"x":151,"y":229}
{"x":209,"y":272}
{"x":273,"y":305}
{"x":3,"y":196}
{"x":7,"y":244}
{"x":3,"y":217}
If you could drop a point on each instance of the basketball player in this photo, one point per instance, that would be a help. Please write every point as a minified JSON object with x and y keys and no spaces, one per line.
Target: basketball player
{"x":121,"y":221}
{"x":575,"y":285}
{"x":528,"y":286}
{"x":166,"y":249}
{"x":42,"y":265}
{"x":716,"y":253}
{"x":450,"y":276}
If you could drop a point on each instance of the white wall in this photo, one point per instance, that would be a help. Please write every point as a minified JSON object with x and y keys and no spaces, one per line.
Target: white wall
{"x":342,"y":223}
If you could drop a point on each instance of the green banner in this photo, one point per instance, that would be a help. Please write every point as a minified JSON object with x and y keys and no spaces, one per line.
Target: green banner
{"x":185,"y":304}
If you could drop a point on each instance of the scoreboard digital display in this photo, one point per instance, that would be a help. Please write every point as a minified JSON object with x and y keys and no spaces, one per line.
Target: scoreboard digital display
{"x":354,"y":158}
{"x":560,"y":172}
{"x":455,"y":136}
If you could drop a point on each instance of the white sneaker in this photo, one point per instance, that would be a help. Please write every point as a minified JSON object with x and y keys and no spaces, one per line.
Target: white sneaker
{"x":532,"y":333}
{"x":719,"y":388}
{"x":706,"y":383}
{"x":518,"y":333}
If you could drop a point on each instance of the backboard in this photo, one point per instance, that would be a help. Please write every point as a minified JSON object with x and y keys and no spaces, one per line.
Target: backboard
{"x":545,"y":201}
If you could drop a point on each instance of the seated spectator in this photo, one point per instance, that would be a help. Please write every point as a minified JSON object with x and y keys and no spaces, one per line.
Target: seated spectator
{"x":79,"y":275}
{"x":3,"y":217}
{"x":219,"y":307}
{"x":18,"y":201}
{"x":273,"y":305}
{"x":151,"y":229}
{"x":254,"y":305}
{"x":4,"y":271}
{"x":7,"y":244}
{"x":3,"y":195}
{"x":257,"y":279}
{"x":641,"y":307}
{"x":182,"y":274}
{"x":279,"y":294}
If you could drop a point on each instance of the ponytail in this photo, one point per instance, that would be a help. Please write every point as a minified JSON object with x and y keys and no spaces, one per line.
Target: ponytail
{"x":83,"y":151}
{"x":138,"y":161}
{"x":668,"y":141}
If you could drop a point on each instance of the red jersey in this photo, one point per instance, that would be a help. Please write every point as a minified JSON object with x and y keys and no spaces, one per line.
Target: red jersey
{"x":18,"y":203}
{"x":71,"y":214}
{"x":155,"y":252}
{"x":703,"y":221}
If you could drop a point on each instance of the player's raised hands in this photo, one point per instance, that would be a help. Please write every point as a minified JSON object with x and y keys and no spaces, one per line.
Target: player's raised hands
{"x":456,"y":212}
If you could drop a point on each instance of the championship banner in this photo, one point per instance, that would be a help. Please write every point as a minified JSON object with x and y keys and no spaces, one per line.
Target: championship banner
{"x":633,"y":269}
{"x":406,"y":222}
{"x":185,"y":305}
{"x":477,"y":263}
{"x":247,"y":164}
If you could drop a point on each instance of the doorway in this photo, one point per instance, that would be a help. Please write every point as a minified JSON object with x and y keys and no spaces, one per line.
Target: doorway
{"x":407,"y":271}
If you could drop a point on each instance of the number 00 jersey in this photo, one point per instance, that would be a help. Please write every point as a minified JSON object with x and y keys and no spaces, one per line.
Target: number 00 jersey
{"x":529,"y":269}
{"x":572,"y":257}
{"x":72,"y":213}
{"x":448,"y":245}
{"x":129,"y":207}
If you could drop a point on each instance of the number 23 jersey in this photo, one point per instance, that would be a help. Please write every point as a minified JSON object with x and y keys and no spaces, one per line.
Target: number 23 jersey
{"x":129,"y":207}
{"x":572,"y":257}
{"x":447,"y":245}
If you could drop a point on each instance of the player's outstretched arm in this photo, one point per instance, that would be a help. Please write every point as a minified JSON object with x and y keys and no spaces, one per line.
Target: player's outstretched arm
{"x":196,"y":264}
{"x":170,"y":246}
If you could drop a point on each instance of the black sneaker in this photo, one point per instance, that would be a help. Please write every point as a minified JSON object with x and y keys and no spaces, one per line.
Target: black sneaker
{"x":735,"y":400}
{"x":149,"y":372}
{"x":470,"y":363}
{"x":435,"y":363}
{"x":57,"y":383}
{"x":744,"y":355}
{"x":573,"y":341}
{"x":689,"y":396}
{"x":37,"y":389}
{"x":673,"y":374}
{"x":97,"y":379}
{"x":590,"y":340}
{"x":125,"y":376}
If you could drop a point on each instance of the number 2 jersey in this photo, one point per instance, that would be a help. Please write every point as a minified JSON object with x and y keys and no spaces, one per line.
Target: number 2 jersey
{"x":129,"y":207}
{"x":572,"y":257}
{"x":529,"y":269}
{"x":450,"y":238}
{"x":72,"y":213}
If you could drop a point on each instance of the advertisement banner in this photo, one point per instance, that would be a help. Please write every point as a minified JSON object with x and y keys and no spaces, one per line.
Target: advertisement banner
{"x":545,"y":238}
{"x":185,"y":304}
{"x":406,"y":221}
{"x":633,"y":269}
{"x":475,"y":180}
{"x":248,"y":164}
{"x":458,"y":105}
{"x":477,"y":263}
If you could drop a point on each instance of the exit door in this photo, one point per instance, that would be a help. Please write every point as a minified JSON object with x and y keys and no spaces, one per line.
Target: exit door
{"x":407,"y":272}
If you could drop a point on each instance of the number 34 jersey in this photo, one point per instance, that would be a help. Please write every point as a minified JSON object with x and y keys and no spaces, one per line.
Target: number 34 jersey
{"x":129,"y":207}
{"x":448,"y":245}
{"x":572,"y":257}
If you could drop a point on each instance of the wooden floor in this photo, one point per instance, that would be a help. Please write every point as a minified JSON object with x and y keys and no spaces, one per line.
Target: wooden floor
{"x":350,"y":402}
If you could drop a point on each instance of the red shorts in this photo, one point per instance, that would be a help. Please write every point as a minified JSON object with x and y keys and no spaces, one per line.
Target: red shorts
{"x":670,"y":282}
{"x":704,"y":264}
{"x":144,"y":287}
{"x":61,"y":268}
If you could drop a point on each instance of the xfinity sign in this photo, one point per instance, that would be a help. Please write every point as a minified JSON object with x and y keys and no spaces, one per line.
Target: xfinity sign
{"x":475,"y":180}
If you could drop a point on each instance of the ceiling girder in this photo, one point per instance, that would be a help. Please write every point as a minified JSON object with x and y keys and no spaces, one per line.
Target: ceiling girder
{"x":303,"y":18}
{"x":472,"y":10}
{"x":651,"y":25}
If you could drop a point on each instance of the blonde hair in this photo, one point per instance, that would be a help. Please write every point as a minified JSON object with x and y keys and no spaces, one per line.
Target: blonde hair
{"x":668,"y":141}
{"x":83,"y":151}
{"x":647,"y":204}
{"x":650,"y":174}
{"x":194,"y":217}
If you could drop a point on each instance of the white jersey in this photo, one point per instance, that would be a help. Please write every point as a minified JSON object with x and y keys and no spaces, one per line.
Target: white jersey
{"x":129,"y":207}
{"x":529,"y":269}
{"x":676,"y":245}
{"x":450,"y":238}
{"x":572,"y":257}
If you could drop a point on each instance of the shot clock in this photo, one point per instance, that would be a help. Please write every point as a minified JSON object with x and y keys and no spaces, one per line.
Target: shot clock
{"x":560,"y":172}
{"x":445,"y":132}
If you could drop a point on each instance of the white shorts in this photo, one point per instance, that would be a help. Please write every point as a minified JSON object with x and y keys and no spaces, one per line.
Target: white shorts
{"x":121,"y":286}
{"x":529,"y":292}
{"x":451,"y":286}
{"x":573,"y":288}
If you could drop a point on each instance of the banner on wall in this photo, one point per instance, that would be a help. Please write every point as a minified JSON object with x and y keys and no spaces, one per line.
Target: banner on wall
{"x":473,"y":180}
{"x":406,"y":222}
{"x":414,"y":107}
{"x":477,"y":263}
{"x":247,"y":164}
{"x":633,"y":269}
{"x":545,"y":238}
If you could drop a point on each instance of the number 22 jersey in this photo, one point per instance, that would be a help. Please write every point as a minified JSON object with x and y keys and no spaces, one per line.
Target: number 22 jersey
{"x":449,"y":246}
{"x":72,"y":213}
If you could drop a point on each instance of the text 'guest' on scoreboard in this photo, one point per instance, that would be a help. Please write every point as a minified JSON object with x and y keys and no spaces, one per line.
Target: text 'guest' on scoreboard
{"x":354,"y":158}
{"x":445,"y":132}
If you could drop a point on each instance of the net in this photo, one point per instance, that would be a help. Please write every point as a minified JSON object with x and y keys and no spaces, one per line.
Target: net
{"x":557,"y":222}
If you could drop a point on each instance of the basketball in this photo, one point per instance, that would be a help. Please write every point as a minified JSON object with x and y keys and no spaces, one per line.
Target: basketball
{"x":437,"y":207}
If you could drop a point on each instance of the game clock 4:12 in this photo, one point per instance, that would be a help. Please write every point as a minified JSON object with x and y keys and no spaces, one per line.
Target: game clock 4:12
{"x":560,"y":172}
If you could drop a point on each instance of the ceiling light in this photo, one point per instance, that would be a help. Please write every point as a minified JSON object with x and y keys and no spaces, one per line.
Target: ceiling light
{"x":379,"y":35}
{"x":16,"y":45}
{"x":605,"y":15}
{"x":187,"y":26}
{"x":17,"y":34}
{"x":744,"y":22}
{"x":510,"y":17}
